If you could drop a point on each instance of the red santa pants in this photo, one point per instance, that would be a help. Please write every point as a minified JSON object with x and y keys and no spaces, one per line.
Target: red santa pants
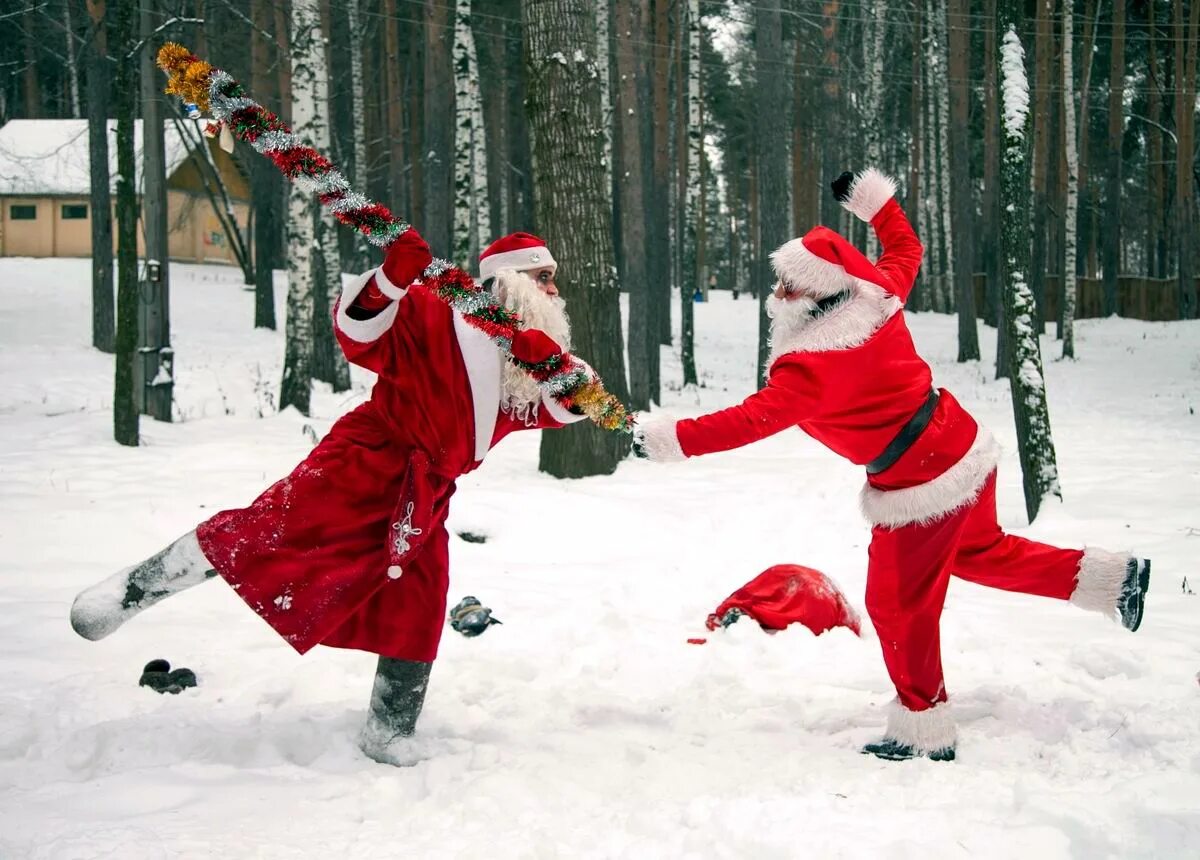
{"x":911,"y":566}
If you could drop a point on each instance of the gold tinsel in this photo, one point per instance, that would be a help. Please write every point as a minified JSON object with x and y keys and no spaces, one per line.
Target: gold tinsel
{"x":187,"y":75}
{"x":603,"y":408}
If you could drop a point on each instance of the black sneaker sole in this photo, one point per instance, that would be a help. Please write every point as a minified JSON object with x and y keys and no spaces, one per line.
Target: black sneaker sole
{"x":1131,"y":617}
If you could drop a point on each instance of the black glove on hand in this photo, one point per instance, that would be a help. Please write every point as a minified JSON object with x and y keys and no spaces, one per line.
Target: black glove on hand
{"x":639,"y":446}
{"x":841,"y":187}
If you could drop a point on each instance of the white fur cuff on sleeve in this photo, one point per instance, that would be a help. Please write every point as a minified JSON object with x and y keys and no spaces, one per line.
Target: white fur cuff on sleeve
{"x":392,"y":291}
{"x":660,"y":440}
{"x":870,"y":191}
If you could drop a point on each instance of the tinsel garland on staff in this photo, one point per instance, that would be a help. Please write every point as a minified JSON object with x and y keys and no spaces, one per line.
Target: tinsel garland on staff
{"x":206,"y":89}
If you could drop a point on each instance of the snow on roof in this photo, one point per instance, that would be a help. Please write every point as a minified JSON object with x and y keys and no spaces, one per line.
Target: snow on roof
{"x":50,"y":156}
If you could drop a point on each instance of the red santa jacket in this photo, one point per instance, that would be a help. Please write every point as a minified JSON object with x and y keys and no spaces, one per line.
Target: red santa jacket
{"x":851,"y":378}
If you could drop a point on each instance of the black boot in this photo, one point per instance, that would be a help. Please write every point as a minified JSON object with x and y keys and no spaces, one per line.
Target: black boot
{"x":396,"y":701}
{"x":1131,"y":602}
{"x":893,"y":750}
{"x":104,"y":607}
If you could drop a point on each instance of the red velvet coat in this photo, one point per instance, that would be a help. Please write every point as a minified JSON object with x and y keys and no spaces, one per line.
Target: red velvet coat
{"x":851,"y":379}
{"x":351,"y":548}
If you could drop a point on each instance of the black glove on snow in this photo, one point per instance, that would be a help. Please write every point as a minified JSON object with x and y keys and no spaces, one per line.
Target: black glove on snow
{"x":841,"y":187}
{"x":470,"y":617}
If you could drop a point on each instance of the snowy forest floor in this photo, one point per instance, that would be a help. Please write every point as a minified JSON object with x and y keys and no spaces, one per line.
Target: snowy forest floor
{"x":586,"y":726}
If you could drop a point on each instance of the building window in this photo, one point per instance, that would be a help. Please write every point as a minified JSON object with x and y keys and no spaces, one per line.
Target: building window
{"x":22,"y":212}
{"x":74,"y":211}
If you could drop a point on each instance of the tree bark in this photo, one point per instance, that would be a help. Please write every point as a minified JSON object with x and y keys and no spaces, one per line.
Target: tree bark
{"x":1041,"y":156}
{"x":362,"y":256}
{"x":125,"y":89}
{"x":991,"y":175}
{"x":438,"y":131}
{"x":568,"y":178}
{"x":873,"y":122}
{"x":632,"y":263}
{"x":72,"y":61}
{"x":772,"y":151}
{"x":915,"y":112}
{"x":963,"y":203}
{"x":1186,"y":47}
{"x":1071,"y":248}
{"x":1026,"y":381}
{"x":1087,"y":196}
{"x":266,"y":186}
{"x":103,"y":308}
{"x":692,"y":213}
{"x":1116,"y":130}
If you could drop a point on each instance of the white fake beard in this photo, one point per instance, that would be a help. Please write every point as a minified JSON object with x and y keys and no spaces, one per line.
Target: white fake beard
{"x":519,"y":393}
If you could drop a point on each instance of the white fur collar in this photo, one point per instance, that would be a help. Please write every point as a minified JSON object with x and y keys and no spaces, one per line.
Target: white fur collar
{"x":849,"y":324}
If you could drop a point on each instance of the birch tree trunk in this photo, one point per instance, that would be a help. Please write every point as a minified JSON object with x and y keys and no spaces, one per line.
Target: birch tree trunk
{"x":72,"y":62}
{"x":962,"y":198}
{"x":481,"y":221}
{"x":362,"y":256}
{"x":100,"y":201}
{"x":563,"y":107}
{"x":930,"y":224}
{"x":915,"y":179}
{"x":1186,"y":46}
{"x":1071,"y":249}
{"x":873,"y":101}
{"x":308,"y":48}
{"x":296,"y":388}
{"x":1026,"y":381}
{"x":1116,"y":128}
{"x":464,"y":117}
{"x":691,"y":215}
{"x":602,"y":66}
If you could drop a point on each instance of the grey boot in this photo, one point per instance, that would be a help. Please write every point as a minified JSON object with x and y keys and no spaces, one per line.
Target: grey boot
{"x":396,"y":701}
{"x":104,"y":607}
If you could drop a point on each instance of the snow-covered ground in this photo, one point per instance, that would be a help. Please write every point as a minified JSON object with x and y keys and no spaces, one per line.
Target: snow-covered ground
{"x":586,"y":726}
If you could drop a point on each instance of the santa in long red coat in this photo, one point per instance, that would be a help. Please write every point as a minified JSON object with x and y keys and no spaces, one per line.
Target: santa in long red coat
{"x":351,"y":549}
{"x":843,"y":368}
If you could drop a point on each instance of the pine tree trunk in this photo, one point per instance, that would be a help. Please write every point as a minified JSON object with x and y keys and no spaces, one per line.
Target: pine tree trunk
{"x":691,"y":282}
{"x":568,"y":178}
{"x":643,"y":338}
{"x":772,"y":151}
{"x":438,"y":130}
{"x":362,"y":256}
{"x":658,"y":228}
{"x":991,"y":181}
{"x":945,"y":206}
{"x":103,"y":308}
{"x":929,"y":221}
{"x":1187,"y":42}
{"x":1116,"y":129}
{"x":125,"y":89}
{"x":1155,"y":159}
{"x":394,"y":134}
{"x":296,"y":388}
{"x":915,"y":178}
{"x":963,"y":203}
{"x":266,"y":186}
{"x":31,"y":88}
{"x":1071,"y":249}
{"x":1027,"y":383}
{"x":1087,"y":197}
{"x":1041,"y":156}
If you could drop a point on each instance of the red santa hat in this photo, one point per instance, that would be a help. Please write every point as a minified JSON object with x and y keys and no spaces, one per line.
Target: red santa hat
{"x":822,"y":262}
{"x":520,"y":251}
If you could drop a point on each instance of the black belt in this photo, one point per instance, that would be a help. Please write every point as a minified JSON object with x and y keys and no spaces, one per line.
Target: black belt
{"x":907,"y":435}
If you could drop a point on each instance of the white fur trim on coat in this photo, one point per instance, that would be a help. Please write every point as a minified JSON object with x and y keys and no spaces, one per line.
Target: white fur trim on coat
{"x":925,"y":731}
{"x":1098,"y":583}
{"x":847,"y":325}
{"x":482,"y":361}
{"x":660,"y":440}
{"x":957,"y":486}
{"x":392,"y":291}
{"x":370,"y":329}
{"x":803,"y":270}
{"x":869,"y":192}
{"x":521,"y":260}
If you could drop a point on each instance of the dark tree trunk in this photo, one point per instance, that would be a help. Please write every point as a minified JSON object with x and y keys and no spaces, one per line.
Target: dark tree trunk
{"x":125,"y":89}
{"x":565,"y":123}
{"x":659,"y":238}
{"x":264,"y":178}
{"x":991,"y":179}
{"x":772,"y":153}
{"x":103,"y":308}
{"x":1043,"y":86}
{"x":438,"y":144}
{"x":962,"y":201}
{"x":629,"y":112}
{"x":1187,"y":43}
{"x":1116,"y":129}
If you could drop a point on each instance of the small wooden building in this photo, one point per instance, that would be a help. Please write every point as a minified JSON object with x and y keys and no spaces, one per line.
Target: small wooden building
{"x":45,"y":190}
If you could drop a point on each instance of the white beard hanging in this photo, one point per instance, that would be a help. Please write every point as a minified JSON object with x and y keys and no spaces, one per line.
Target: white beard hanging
{"x":520,"y":395}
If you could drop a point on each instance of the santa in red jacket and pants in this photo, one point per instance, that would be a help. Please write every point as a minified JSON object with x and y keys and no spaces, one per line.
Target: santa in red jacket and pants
{"x":351,"y":550}
{"x":843,"y":369}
